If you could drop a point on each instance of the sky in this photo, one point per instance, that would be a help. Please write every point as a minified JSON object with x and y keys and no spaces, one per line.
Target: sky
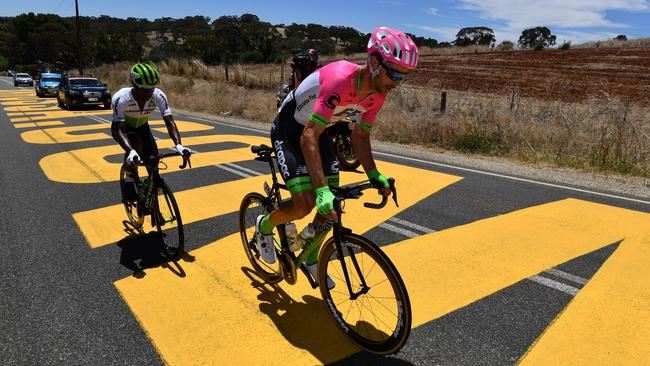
{"x":577,"y":21}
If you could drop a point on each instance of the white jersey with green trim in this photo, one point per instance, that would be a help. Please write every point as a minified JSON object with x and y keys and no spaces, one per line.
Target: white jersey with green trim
{"x":126,"y":108}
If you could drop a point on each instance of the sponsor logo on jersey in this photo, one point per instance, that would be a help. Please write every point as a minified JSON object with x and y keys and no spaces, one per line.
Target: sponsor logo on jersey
{"x":334,"y":98}
{"x":282,"y":160}
{"x":349,"y":112}
{"x":334,"y":168}
{"x":302,"y":169}
{"x":307,"y":100}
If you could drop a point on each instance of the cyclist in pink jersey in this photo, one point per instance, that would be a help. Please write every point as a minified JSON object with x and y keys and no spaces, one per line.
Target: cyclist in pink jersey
{"x":307,"y":162}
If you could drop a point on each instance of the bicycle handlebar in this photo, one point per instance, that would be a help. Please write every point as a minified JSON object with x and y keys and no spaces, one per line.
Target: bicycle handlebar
{"x":186,"y":159}
{"x":354,"y":192}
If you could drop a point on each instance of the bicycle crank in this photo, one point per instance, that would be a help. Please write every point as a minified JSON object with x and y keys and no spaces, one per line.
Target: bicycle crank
{"x":288,"y":268}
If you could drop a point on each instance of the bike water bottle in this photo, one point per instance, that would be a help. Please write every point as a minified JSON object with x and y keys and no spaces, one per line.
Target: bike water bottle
{"x":292,"y":233}
{"x":305,"y":236}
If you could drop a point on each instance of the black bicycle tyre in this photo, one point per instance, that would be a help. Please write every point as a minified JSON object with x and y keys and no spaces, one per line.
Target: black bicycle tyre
{"x":130,"y":207}
{"x":345,"y":161}
{"x":169,"y":195}
{"x":400,"y":335}
{"x":253,"y":257}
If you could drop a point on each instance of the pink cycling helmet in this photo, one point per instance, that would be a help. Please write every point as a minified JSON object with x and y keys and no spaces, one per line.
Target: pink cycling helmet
{"x":394,"y":46}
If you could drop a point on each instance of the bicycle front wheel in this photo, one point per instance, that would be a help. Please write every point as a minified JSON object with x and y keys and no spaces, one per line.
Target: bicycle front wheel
{"x":135,"y":216}
{"x":376,"y":314}
{"x":167,"y":219}
{"x":253,"y":205}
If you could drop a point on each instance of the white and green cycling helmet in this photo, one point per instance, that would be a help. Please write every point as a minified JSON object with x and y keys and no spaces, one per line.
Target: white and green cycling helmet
{"x":144,"y":76}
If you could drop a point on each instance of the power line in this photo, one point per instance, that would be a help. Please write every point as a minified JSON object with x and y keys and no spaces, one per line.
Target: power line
{"x":58,"y":6}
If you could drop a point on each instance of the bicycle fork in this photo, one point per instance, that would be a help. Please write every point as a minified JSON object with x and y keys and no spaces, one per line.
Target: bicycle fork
{"x":339,"y":231}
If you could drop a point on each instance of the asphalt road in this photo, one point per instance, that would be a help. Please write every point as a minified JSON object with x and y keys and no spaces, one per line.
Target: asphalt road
{"x":504,"y":270}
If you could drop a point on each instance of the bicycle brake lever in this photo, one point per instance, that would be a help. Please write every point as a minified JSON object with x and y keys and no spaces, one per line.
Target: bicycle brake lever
{"x":186,"y":162}
{"x":391,"y":183}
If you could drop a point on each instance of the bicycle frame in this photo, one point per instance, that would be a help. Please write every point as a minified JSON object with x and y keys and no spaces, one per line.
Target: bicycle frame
{"x":155,"y":180}
{"x":273,"y":192}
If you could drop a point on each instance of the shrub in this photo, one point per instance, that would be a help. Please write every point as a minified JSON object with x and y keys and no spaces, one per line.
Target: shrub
{"x":566,"y":45}
{"x":475,"y":142}
{"x":506,"y":46}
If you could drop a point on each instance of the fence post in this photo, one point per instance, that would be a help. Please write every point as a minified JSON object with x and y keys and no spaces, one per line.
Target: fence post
{"x":512,"y":101}
{"x":443,"y":102}
{"x":226,"y":68}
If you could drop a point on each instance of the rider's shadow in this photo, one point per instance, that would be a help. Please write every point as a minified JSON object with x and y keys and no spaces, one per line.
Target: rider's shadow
{"x":140,"y":252}
{"x":307,"y":325}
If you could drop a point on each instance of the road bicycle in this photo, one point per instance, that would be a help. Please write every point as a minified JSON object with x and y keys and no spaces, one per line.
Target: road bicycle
{"x":369,"y":304}
{"x":156,"y":199}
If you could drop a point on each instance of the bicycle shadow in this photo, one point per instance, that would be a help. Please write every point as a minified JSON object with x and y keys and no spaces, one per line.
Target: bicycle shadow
{"x":306,"y":325}
{"x":140,"y":252}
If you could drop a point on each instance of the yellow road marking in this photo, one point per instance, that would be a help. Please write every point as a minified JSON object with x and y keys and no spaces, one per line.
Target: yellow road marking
{"x":215,"y":306}
{"x":103,"y":226}
{"x":38,"y":124}
{"x":89,"y":165}
{"x":57,"y":114}
{"x":608,"y":322}
{"x":70,"y":134}
{"x":12,"y":111}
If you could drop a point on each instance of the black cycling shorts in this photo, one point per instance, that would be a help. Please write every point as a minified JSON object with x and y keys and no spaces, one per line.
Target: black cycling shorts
{"x":285,"y":136}
{"x":141,"y":139}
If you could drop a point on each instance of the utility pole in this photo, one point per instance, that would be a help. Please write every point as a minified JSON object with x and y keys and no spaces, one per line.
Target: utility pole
{"x":81,"y":68}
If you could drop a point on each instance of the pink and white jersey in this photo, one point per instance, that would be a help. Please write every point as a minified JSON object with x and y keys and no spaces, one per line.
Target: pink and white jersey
{"x":331,"y":94}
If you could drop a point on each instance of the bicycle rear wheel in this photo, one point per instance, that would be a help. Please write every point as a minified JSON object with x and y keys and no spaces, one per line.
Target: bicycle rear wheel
{"x":377,"y":318}
{"x":167,"y":219}
{"x":253,"y":205}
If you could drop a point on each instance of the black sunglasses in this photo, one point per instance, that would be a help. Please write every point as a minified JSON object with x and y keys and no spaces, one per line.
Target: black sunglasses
{"x":392,"y":73}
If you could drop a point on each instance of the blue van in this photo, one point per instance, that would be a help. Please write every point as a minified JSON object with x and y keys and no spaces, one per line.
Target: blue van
{"x":47,"y":84}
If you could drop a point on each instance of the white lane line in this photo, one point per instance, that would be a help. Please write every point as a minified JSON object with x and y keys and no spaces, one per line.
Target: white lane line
{"x":8,"y":82}
{"x":95,"y":118}
{"x":233,"y":171}
{"x":517,"y":178}
{"x":554,"y":284}
{"x":566,"y":276}
{"x":229,"y":125}
{"x":250,"y":171}
{"x":399,"y":230}
{"x":461,"y":168}
{"x":411,"y":225}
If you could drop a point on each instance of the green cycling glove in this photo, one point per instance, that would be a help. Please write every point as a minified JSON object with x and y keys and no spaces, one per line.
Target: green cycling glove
{"x":377,"y":176}
{"x":324,"y":200}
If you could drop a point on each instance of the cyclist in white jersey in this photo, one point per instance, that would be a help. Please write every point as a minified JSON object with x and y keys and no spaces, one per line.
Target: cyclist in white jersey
{"x":130,"y":128}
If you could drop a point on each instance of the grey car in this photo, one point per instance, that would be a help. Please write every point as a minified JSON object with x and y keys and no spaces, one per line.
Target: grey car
{"x":23,"y":78}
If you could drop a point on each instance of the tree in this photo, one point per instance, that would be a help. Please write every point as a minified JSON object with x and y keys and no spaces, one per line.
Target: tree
{"x":4,"y":63}
{"x":475,"y":36}
{"x":621,"y":37}
{"x":538,"y":38}
{"x":506,"y":46}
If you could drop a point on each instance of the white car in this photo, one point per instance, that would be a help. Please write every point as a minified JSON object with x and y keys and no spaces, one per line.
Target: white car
{"x":23,"y":78}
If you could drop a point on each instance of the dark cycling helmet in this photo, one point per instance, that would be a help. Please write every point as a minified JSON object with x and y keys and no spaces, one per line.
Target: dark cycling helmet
{"x":144,"y":76}
{"x":299,"y":60}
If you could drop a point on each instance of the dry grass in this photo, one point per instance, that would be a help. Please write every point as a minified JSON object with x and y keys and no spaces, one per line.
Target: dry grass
{"x":247,"y":95}
{"x":613,"y":43}
{"x":604,"y":134}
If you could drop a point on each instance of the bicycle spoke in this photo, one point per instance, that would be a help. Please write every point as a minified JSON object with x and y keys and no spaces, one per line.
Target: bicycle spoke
{"x":384,"y":306}
{"x":372,"y":311}
{"x":381,"y":321}
{"x":379,"y":283}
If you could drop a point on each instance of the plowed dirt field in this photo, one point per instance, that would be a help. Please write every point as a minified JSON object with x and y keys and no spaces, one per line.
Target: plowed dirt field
{"x":568,"y":75}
